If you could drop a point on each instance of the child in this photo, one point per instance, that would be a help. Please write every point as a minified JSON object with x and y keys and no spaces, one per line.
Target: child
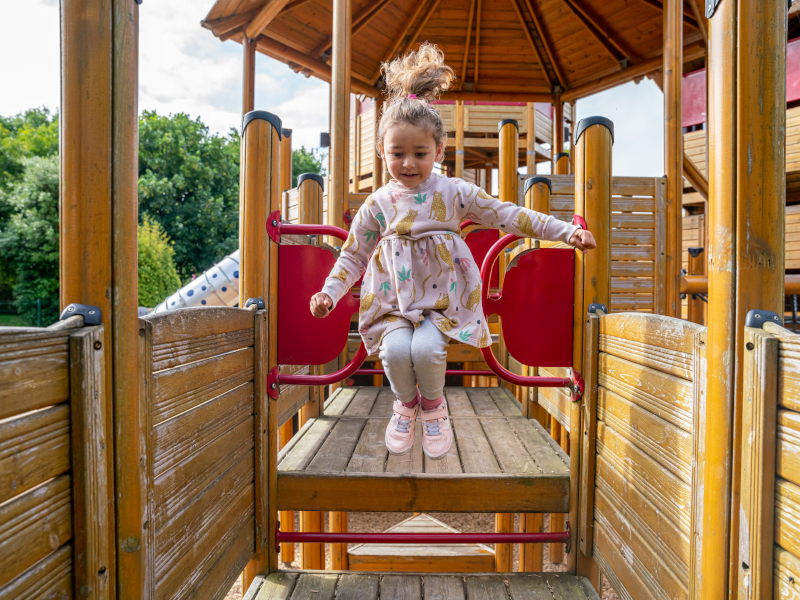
{"x":422,"y":286}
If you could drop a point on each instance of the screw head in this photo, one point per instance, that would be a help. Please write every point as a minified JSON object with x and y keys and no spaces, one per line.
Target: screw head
{"x":97,"y":345}
{"x":273,"y":386}
{"x":758,"y":316}
{"x":274,"y":222}
{"x":70,"y":308}
{"x":91,"y":312}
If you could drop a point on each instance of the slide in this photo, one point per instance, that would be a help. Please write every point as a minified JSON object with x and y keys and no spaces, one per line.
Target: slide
{"x":219,"y":286}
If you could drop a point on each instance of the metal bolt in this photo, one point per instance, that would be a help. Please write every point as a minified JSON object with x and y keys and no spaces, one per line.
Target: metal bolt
{"x":98,"y":344}
{"x":749,"y":345}
{"x":70,"y":308}
{"x":274,"y":223}
{"x":758,"y":316}
{"x":273,"y":386}
{"x":776,"y":318}
{"x":91,"y":312}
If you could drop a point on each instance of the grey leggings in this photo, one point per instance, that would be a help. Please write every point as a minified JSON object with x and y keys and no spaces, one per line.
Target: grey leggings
{"x":415,"y":356}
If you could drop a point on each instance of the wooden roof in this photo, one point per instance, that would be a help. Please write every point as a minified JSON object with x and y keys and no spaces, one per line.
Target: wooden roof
{"x":500,"y":49}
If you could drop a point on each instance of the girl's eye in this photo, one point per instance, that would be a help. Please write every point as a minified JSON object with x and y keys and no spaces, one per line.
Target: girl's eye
{"x":422,"y":154}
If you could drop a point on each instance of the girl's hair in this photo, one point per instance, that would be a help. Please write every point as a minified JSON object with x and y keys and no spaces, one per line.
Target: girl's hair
{"x":422,"y":74}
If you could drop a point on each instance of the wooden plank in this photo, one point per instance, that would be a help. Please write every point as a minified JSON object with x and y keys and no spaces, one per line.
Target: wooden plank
{"x":655,"y":330}
{"x":788,"y":446}
{"x":370,"y":452}
{"x":508,"y":449}
{"x":34,"y":524}
{"x":401,"y":587}
{"x":276,"y":586}
{"x":178,"y":390}
{"x":473,"y":447}
{"x":189,"y":323}
{"x":420,"y":492}
{"x":335,"y":452}
{"x":383,"y":405}
{"x":458,"y":402}
{"x":172,"y":354}
{"x":678,"y":364}
{"x":228,"y":566}
{"x":338,"y":402}
{"x":315,"y":586}
{"x":787,"y":516}
{"x":482,"y":402}
{"x":362,"y":402}
{"x":49,"y":578}
{"x":787,"y":575}
{"x":532,"y":587}
{"x":358,"y":587}
{"x":505,"y":401}
{"x":34,"y":447}
{"x":671,"y":495}
{"x":589,"y":424}
{"x":411,"y":462}
{"x":444,"y":588}
{"x":665,"y":443}
{"x":617,"y":568}
{"x":486,"y":588}
{"x":306,"y":446}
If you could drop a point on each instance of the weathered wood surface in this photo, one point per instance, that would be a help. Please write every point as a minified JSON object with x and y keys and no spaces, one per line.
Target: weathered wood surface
{"x":50,"y":578}
{"x":34,"y":369}
{"x":493,"y":444}
{"x":318,"y":585}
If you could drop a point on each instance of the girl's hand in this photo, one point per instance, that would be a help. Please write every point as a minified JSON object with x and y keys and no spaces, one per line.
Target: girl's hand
{"x":583,"y":240}
{"x":321,"y":305}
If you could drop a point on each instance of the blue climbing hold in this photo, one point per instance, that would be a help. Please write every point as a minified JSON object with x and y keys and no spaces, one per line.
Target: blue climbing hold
{"x":204,"y":288}
{"x":214,"y":275}
{"x":236,"y":274}
{"x":224,"y":289}
{"x":202,"y":302}
{"x":190,"y":293}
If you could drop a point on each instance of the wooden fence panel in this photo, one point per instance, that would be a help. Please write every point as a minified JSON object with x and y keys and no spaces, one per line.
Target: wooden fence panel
{"x":199,"y":408}
{"x":648,"y":379}
{"x":56,"y":516}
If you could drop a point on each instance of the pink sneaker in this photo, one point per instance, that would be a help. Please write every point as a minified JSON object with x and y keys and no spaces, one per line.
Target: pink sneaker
{"x":400,"y":431}
{"x":437,"y":435}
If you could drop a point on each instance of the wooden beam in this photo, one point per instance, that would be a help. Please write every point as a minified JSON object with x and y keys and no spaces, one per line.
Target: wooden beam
{"x":690,"y":52}
{"x":499,"y":96}
{"x":537,"y":23}
{"x":360,"y":21}
{"x":695,"y":177}
{"x":690,"y":18}
{"x":249,"y":76}
{"x":700,"y":18}
{"x":600,"y":30}
{"x":283,"y":52}
{"x":466,"y":44}
{"x":528,"y":35}
{"x":422,"y":25}
{"x":264,"y":17}
{"x":477,"y":48}
{"x":295,"y":4}
{"x":221,"y":26}
{"x":399,"y":40}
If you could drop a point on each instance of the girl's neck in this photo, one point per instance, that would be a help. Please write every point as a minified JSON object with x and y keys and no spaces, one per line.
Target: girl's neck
{"x":396,"y":186}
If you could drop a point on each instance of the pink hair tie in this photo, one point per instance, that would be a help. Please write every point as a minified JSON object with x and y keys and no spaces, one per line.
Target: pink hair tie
{"x":413,"y":96}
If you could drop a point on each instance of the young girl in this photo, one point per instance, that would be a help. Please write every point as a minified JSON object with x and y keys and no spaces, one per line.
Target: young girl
{"x":422,"y":286}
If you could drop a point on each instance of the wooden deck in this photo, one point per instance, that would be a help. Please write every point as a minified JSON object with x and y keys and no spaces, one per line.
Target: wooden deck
{"x":500,"y":460}
{"x":325,"y":585}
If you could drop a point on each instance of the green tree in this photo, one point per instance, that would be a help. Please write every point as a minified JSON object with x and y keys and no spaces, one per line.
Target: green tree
{"x":158,"y":277}
{"x":189,"y":184}
{"x":29,"y":238}
{"x":307,"y":161}
{"x":32,"y":133}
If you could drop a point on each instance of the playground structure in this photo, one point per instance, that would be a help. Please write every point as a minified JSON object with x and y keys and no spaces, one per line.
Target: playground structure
{"x":141,"y":454}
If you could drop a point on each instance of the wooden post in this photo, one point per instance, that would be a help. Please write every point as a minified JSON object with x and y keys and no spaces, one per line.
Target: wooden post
{"x":558,"y":125}
{"x":503,"y":554}
{"x":355,"y":150}
{"x":98,"y":241}
{"x":259,"y":196}
{"x":530,"y":141}
{"x":460,"y":139}
{"x":557,"y":520}
{"x":286,"y":517}
{"x":562,"y":164}
{"x":249,"y":75}
{"x":91,"y":426}
{"x":746,"y":167}
{"x":377,"y":163}
{"x":593,"y":142}
{"x":286,"y":163}
{"x":309,"y":201}
{"x":338,"y":194}
{"x":696,"y":267}
{"x":673,"y":148}
{"x":488,"y":177}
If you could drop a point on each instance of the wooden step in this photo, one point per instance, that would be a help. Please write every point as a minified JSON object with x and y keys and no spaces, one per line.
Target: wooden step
{"x":322,"y":585}
{"x":422,"y":558}
{"x":500,"y":460}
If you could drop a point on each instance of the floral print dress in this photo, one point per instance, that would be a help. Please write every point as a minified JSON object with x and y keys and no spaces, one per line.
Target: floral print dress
{"x":417,"y":266}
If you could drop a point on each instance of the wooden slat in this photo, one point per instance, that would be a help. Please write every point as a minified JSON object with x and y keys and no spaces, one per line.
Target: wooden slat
{"x":482,"y":402}
{"x":655,"y":330}
{"x":229,"y":563}
{"x":787,"y":516}
{"x":187,"y":324}
{"x":617,"y":568}
{"x":787,"y":575}
{"x":358,"y":587}
{"x":788,"y":446}
{"x":370,"y":452}
{"x":49,"y":578}
{"x":336,"y":450}
{"x":34,"y":524}
{"x":401,"y":587}
{"x":678,"y":364}
{"x":172,"y":354}
{"x":306,"y":445}
{"x":315,"y":586}
{"x":34,"y":447}
{"x":476,"y":451}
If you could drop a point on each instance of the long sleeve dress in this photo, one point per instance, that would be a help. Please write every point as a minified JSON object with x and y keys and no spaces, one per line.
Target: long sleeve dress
{"x":421,"y":267}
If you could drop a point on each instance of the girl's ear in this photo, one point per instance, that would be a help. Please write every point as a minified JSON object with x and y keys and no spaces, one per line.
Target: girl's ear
{"x":440,"y":152}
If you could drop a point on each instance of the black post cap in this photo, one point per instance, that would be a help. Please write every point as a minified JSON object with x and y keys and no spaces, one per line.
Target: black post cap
{"x":273,"y":120}
{"x":584,"y":124}
{"x":531,"y":181}
{"x":286,"y":132}
{"x":559,"y":155}
{"x":695,"y":252}
{"x":311,"y":177}
{"x":505,"y":122}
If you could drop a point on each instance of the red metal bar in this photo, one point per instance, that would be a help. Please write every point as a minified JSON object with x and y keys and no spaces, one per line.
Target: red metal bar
{"x":447,"y":372}
{"x":275,"y":229}
{"x":276,"y":379}
{"x":558,"y":537}
{"x":487,"y":353}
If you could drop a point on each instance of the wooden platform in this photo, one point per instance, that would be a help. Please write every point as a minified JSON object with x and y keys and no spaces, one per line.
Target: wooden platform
{"x":500,"y":461}
{"x":322,"y":585}
{"x":427,"y":558}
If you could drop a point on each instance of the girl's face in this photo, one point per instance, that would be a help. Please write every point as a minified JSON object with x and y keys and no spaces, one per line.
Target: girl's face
{"x":409,"y":153}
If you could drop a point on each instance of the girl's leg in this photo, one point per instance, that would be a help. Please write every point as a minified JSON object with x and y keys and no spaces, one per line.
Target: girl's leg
{"x":395,"y":355}
{"x":396,"y":358}
{"x":429,"y":357}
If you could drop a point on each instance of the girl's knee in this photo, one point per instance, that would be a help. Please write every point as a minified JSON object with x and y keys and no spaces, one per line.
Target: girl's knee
{"x":395,"y":355}
{"x":431,"y":354}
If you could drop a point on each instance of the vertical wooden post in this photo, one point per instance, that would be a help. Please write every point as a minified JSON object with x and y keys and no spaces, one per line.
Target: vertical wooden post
{"x":562,"y":164}
{"x":92,"y":473}
{"x":488,"y":177}
{"x":460,"y":139}
{"x":696,"y":267}
{"x":98,"y":241}
{"x":747,"y":121}
{"x":249,"y":74}
{"x":355,"y":149}
{"x":558,"y":125}
{"x":286,"y":163}
{"x":594,"y":138}
{"x":377,"y":163}
{"x":259,"y":195}
{"x":673,"y":148}
{"x":530,"y":139}
{"x":286,"y":517}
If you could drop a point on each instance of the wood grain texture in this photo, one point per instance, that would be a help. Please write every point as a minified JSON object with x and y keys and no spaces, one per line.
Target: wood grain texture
{"x":50,"y":578}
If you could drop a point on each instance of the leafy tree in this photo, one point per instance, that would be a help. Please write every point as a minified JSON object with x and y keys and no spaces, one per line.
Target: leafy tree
{"x":189,"y":184}
{"x":307,"y":161}
{"x":29,"y":239}
{"x":158,"y":277}
{"x":32,"y":133}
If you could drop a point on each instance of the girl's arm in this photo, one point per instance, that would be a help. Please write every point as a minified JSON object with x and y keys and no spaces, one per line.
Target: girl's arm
{"x":510,"y":218}
{"x":355,"y":254}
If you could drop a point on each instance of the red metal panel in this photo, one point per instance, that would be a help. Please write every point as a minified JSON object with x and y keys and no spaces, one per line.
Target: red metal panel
{"x":479,"y":242}
{"x":302,"y":338}
{"x":793,"y":70}
{"x":535,"y":306}
{"x":693,"y":97}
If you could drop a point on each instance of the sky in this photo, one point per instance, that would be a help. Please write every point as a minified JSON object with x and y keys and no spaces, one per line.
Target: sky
{"x":184,"y":68}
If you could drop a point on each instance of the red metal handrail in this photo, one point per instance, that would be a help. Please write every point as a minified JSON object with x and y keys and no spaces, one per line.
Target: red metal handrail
{"x":447,"y":372}
{"x":275,"y":229}
{"x":558,"y":537}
